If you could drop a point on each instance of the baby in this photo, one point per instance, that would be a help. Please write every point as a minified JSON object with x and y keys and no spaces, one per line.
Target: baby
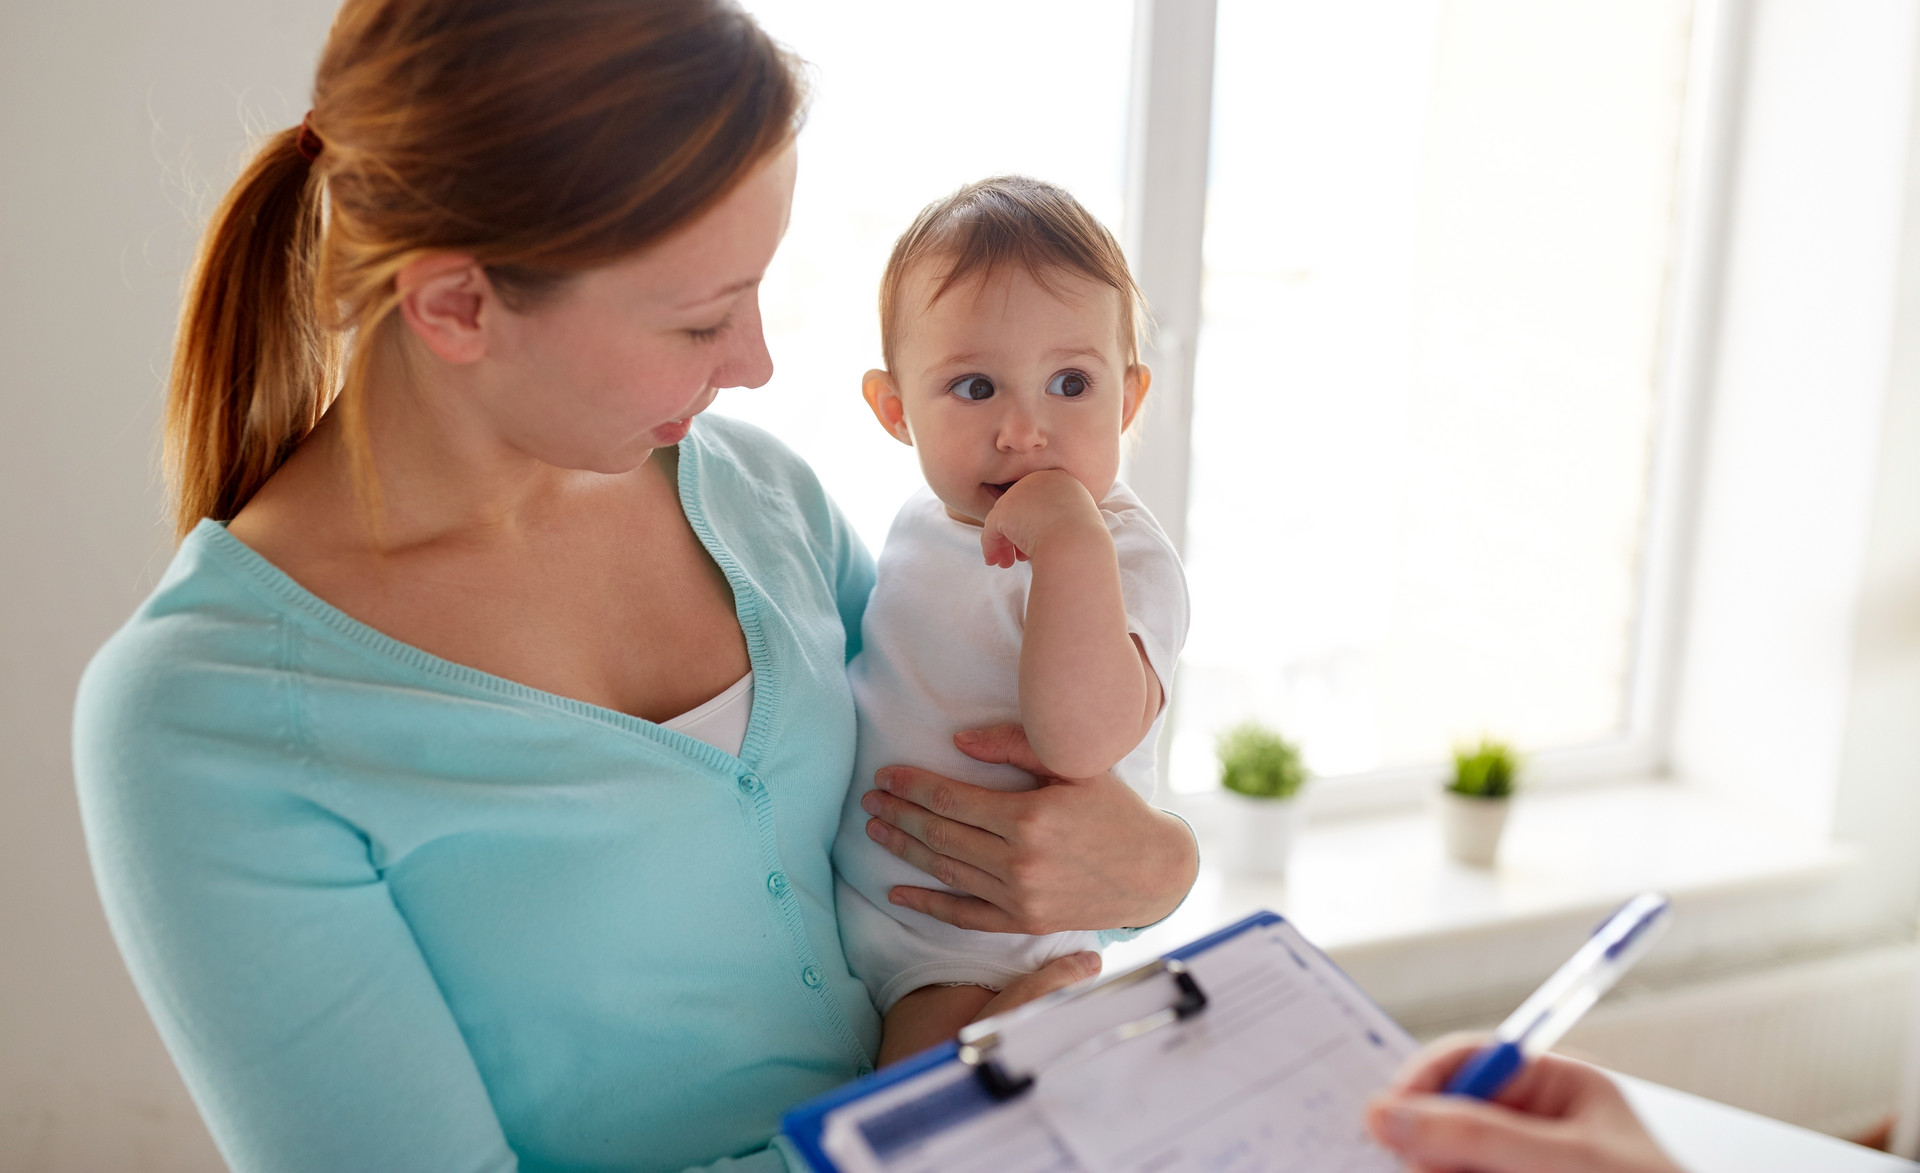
{"x":1024,"y":585}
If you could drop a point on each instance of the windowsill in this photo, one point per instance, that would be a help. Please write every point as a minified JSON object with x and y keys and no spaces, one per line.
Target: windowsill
{"x":1439,"y":943}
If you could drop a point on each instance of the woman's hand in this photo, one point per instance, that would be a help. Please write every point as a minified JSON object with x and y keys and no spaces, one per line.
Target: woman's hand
{"x":1085,"y":853}
{"x":1556,"y":1116}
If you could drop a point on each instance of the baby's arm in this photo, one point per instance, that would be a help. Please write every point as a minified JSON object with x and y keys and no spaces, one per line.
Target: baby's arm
{"x":927,"y":1017}
{"x":1087,"y":694}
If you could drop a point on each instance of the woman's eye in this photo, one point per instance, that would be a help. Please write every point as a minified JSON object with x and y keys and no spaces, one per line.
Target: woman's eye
{"x":1067,"y":384}
{"x":709,"y":333}
{"x":973,"y":387}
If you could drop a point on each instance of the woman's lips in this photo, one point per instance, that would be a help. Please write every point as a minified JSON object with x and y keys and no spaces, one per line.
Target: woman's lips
{"x":675,"y":431}
{"x":669,"y":434}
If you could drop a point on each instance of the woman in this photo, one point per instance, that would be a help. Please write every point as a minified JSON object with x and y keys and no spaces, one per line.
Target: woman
{"x":379,"y":784}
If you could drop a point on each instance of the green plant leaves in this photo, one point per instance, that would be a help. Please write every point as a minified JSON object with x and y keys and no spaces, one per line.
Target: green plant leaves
{"x":1258,"y":762}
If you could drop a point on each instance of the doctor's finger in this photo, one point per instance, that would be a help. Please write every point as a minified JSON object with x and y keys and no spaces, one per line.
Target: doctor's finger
{"x":1455,"y":1132}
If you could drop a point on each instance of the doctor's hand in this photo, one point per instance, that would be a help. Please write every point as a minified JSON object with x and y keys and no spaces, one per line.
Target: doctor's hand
{"x":1077,"y":853}
{"x":1556,"y":1116}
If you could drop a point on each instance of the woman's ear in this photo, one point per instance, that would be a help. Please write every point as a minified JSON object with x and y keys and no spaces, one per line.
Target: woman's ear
{"x":443,"y":299}
{"x":884,"y":398}
{"x":1139,"y":379}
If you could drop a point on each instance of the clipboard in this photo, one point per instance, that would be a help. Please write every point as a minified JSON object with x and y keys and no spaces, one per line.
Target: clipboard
{"x":1247,"y":1050}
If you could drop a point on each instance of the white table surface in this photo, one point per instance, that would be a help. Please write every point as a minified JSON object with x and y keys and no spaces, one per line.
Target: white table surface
{"x":1705,"y":1137}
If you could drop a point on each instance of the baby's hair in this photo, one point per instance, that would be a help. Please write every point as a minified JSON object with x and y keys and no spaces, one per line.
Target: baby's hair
{"x":1010,"y":218}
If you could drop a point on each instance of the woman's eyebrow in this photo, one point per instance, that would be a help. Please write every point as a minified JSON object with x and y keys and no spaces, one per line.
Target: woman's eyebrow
{"x":717,"y":294}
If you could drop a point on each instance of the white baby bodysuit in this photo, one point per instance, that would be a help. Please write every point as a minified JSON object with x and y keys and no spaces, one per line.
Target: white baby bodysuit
{"x":940,"y":652}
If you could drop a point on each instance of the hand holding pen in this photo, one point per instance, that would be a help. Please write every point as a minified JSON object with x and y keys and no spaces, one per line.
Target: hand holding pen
{"x":1548,"y":1114}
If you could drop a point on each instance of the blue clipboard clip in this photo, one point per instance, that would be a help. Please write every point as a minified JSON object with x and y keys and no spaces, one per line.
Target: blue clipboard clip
{"x":979,"y":1044}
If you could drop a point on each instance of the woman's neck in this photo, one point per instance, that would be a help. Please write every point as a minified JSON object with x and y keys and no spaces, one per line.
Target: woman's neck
{"x":437,"y":472}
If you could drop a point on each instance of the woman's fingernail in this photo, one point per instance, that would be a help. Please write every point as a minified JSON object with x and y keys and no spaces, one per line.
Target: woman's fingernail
{"x":967,"y":735}
{"x":883,"y":780}
{"x":869,"y":803}
{"x":876,"y":830}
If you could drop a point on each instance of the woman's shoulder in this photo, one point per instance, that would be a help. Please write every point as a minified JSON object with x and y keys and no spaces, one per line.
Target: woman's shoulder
{"x":736,"y":463}
{"x":744,"y":453}
{"x":193,"y":653}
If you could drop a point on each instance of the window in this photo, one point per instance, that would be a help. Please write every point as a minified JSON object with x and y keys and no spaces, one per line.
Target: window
{"x":1428,"y":343}
{"x":911,"y":101}
{"x":1427,"y":381}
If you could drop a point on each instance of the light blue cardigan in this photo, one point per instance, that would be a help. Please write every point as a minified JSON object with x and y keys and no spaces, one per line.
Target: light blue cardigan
{"x":391,"y":913}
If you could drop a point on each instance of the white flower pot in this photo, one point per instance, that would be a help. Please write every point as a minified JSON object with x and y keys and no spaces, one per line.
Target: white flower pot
{"x":1472,"y":826}
{"x":1259,"y":833}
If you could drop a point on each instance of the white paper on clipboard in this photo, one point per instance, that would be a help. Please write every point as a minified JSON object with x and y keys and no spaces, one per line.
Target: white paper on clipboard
{"x":1273,"y":1075}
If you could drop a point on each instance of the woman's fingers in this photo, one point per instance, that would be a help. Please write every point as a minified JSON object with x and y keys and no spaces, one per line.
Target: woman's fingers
{"x":942,"y":835}
{"x":944,"y":868}
{"x":1085,"y":853}
{"x":1001,"y":745}
{"x":1057,"y":974}
{"x":961,"y":802}
{"x":962,"y":912}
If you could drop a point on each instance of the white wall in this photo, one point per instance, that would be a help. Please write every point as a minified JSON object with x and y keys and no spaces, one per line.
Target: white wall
{"x":117,"y":117}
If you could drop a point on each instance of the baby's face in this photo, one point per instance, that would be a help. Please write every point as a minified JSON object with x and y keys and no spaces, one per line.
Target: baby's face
{"x":1002,"y":377}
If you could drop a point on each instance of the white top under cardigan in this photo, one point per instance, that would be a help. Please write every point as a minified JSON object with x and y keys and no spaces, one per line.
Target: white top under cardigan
{"x":722,"y":721}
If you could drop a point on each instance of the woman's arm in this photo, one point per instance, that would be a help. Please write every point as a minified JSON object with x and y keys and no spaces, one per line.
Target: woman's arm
{"x":1084,"y":853}
{"x":265,"y":941}
{"x":267,"y":947}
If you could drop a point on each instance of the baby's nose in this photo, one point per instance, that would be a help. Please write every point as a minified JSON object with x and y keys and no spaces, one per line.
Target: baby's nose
{"x":1020,"y":432}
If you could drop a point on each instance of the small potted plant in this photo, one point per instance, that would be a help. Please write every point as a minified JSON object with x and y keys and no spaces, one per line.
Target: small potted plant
{"x":1474,"y":805}
{"x":1262,"y":774}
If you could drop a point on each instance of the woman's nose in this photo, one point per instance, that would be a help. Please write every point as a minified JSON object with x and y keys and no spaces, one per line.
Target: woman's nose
{"x":748,"y":364}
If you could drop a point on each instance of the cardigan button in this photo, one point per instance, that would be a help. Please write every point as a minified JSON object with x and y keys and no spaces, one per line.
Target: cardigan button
{"x":750,"y":783}
{"x":777,"y":884}
{"x":813,"y":977}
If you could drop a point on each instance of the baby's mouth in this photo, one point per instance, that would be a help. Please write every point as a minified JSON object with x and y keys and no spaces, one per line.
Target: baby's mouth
{"x":999,"y":490}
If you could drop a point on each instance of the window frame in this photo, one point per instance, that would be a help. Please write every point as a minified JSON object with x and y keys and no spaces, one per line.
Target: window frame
{"x":1168,"y":148}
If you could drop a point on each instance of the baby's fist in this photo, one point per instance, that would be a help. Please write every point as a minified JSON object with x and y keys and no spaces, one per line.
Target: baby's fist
{"x":1034,"y":511}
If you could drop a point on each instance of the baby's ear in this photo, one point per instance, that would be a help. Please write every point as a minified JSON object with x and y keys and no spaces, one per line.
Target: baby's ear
{"x":1139,"y":379}
{"x":884,"y":398}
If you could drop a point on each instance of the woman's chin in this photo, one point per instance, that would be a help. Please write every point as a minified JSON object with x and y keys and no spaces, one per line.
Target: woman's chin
{"x":667,"y":435}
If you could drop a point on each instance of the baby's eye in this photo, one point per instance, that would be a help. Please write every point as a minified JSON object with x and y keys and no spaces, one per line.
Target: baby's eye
{"x":972,"y":387}
{"x":1068,"y":384}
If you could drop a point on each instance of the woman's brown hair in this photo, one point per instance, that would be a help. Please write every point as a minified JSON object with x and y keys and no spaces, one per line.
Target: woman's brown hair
{"x":542,"y":137}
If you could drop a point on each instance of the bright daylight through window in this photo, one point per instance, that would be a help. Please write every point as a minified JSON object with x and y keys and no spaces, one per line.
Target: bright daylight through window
{"x":911,"y":101}
{"x":1439,"y":234}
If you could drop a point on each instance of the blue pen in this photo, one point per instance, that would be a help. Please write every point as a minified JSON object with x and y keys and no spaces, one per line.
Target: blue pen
{"x":1568,"y":994}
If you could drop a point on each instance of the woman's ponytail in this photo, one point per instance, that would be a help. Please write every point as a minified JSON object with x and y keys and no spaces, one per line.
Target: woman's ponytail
{"x":541,"y":138}
{"x":253,"y":367}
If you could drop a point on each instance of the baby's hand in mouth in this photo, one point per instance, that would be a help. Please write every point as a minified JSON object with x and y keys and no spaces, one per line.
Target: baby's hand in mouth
{"x":1046,"y":504}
